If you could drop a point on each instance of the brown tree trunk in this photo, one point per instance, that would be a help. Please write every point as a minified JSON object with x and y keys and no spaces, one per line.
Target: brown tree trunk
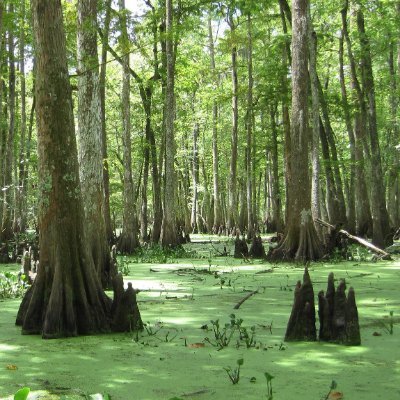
{"x":20,"y":215}
{"x":286,"y":59}
{"x":300,"y":240}
{"x":380,"y":218}
{"x":275,"y":223}
{"x":315,"y":199}
{"x":195,"y":180}
{"x":232,"y":180}
{"x":332,"y":159}
{"x":361,"y":151}
{"x":102,"y":84}
{"x":66,"y":298}
{"x":128,"y":241}
{"x":216,"y":194}
{"x":90,"y":155}
{"x":350,"y":207}
{"x":6,"y":230}
{"x":393,"y":190}
{"x":169,"y":235}
{"x":249,"y":130}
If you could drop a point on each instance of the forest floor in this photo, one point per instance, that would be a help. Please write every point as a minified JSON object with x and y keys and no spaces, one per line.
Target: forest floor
{"x":172,"y":359}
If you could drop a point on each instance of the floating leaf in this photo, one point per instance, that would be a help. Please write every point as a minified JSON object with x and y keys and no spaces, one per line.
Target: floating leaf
{"x":22,"y":394}
{"x":196,"y":345}
{"x":336,"y":396}
{"x":11,"y":367}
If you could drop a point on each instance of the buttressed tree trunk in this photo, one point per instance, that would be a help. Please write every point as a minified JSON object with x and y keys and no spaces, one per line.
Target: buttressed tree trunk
{"x":66,"y":298}
{"x":300,"y":240}
{"x":90,"y":139}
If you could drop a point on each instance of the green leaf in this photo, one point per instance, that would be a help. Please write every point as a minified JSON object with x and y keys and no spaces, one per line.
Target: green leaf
{"x":240,"y":361}
{"x":22,"y":394}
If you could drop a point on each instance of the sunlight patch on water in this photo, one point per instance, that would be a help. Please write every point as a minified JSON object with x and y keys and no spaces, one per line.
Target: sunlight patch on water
{"x":8,"y":347}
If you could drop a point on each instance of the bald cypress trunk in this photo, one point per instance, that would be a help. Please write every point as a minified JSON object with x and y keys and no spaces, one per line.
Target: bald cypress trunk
{"x":128,"y":241}
{"x":102,"y":83}
{"x":66,"y":298}
{"x":90,"y":154}
{"x":169,"y":232}
{"x":6,"y":229}
{"x":216,"y":193}
{"x":350,"y":207}
{"x":300,"y":240}
{"x":20,"y":215}
{"x":232,"y":217}
{"x":249,"y":133}
{"x":380,"y":218}
{"x":361,"y":150}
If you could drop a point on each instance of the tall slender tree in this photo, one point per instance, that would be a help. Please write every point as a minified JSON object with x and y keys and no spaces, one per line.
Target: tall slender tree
{"x":216,"y":185}
{"x":380,"y":218}
{"x":90,"y":152}
{"x":300,"y":240}
{"x":128,"y":240}
{"x":169,"y":236}
{"x":6,"y":229}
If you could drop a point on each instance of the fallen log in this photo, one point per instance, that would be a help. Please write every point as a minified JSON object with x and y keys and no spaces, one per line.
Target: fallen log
{"x":236,"y":307}
{"x":357,"y":239}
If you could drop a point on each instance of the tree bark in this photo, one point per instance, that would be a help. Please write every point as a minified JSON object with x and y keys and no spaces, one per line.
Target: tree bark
{"x":361,"y":151}
{"x":216,"y":195}
{"x":300,"y":240}
{"x":380,"y":218}
{"x":6,"y":231}
{"x":232,"y":219}
{"x":249,"y":133}
{"x":128,"y":241}
{"x":350,"y":207}
{"x":3,"y":114}
{"x":169,"y":235}
{"x":286,"y":60}
{"x":66,"y":298}
{"x":275,"y":223}
{"x":102,"y":84}
{"x":315,"y":199}
{"x":90,"y":150}
{"x":393,"y":190}
{"x":20,"y":215}
{"x":195,"y":180}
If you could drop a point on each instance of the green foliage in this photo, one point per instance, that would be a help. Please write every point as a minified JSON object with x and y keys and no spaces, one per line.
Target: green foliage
{"x":12,"y":285}
{"x":22,"y":394}
{"x":157,"y":254}
{"x":353,"y":252}
{"x":234,"y":373}
{"x":223,"y":334}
